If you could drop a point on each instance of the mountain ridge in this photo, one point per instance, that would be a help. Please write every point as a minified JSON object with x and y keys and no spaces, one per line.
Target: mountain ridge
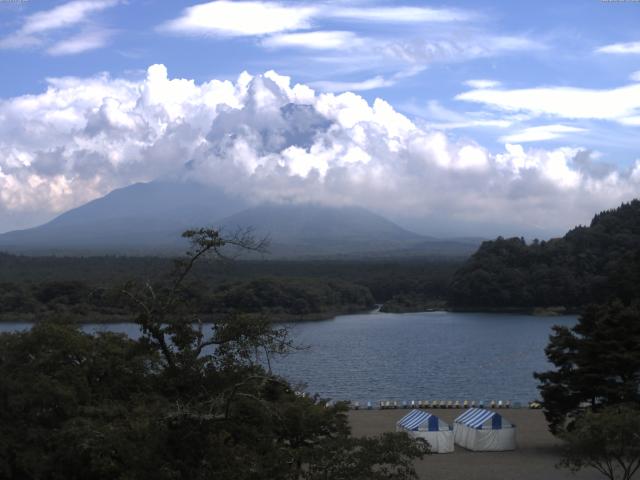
{"x":148,"y":218}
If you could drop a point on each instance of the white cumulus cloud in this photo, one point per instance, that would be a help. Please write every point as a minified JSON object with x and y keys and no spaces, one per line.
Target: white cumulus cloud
{"x":267,"y":139}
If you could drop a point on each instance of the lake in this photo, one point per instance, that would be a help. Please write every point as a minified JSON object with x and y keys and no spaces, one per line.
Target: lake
{"x":412,"y":356}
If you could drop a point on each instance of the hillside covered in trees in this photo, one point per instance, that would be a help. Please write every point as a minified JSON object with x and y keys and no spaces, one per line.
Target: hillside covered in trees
{"x":588,"y":265}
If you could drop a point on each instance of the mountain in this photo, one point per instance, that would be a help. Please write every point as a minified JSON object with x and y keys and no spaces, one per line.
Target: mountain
{"x":589,"y":264}
{"x":141,"y":218}
{"x":148,"y":218}
{"x":303,"y":229}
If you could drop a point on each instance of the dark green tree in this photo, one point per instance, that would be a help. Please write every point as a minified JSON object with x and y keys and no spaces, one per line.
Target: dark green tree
{"x":73,"y":405}
{"x":597,"y":364}
{"x":608,"y":441}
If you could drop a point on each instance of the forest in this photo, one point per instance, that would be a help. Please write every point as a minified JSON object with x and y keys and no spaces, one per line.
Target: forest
{"x":590,"y":264}
{"x":90,"y":288}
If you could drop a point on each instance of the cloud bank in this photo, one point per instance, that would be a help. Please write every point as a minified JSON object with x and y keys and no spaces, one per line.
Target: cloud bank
{"x":266,"y":139}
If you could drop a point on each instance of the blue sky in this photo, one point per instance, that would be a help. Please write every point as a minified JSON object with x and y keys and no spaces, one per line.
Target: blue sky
{"x":542,"y":75}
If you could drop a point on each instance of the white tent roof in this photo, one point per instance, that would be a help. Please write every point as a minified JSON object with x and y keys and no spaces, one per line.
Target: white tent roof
{"x":480,"y":418}
{"x":421,"y":420}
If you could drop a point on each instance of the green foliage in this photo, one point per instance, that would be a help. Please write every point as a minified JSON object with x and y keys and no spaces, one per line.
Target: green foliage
{"x":608,"y":441}
{"x":184,"y":401}
{"x":589,"y":264}
{"x":597,"y":362}
{"x":389,"y":457}
{"x":295,"y":296}
{"x":70,"y":403}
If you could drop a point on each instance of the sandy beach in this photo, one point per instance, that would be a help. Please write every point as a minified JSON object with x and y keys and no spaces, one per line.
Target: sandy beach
{"x":534,"y":459}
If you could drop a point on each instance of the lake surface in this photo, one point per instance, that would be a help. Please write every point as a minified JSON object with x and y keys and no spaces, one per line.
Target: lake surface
{"x":412,"y":356}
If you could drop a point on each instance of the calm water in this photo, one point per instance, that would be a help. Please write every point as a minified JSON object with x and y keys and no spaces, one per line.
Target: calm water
{"x":436,"y":355}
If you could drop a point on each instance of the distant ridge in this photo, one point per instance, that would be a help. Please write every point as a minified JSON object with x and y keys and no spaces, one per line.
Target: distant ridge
{"x":148,"y":218}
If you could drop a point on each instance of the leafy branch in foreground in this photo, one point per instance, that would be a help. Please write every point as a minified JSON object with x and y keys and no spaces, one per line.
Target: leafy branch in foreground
{"x":167,"y":326}
{"x":608,"y":441}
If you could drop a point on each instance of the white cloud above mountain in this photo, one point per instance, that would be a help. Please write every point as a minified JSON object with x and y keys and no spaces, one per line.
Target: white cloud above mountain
{"x":482,"y":83}
{"x":449,"y":48}
{"x":360,"y":46}
{"x":257,"y":18}
{"x":319,"y":40}
{"x":617,"y":104}
{"x":399,"y":14}
{"x":540,"y":133}
{"x":266,"y":139}
{"x":82,"y":42}
{"x":249,"y":18}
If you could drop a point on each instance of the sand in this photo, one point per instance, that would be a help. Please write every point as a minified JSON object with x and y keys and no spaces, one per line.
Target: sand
{"x":534,"y":459}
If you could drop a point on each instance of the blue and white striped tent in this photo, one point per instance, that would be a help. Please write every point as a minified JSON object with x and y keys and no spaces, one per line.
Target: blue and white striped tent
{"x":484,"y":430}
{"x":426,"y":426}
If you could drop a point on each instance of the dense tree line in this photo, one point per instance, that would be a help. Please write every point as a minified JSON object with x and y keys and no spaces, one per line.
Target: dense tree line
{"x":293,"y":296}
{"x":32,"y":288}
{"x":589,"y":264}
{"x":273,"y":296}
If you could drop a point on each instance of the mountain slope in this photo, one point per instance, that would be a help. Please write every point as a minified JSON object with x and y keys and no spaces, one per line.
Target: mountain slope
{"x":148,"y":218}
{"x":589,"y":264}
{"x":305,"y":229}
{"x":141,"y":218}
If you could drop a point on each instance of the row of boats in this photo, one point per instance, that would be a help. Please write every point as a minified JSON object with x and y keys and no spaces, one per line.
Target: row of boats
{"x":413,"y":404}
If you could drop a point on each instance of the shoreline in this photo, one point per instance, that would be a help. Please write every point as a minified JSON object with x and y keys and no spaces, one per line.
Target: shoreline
{"x":535,"y":457}
{"x":100,"y":318}
{"x":532,"y":311}
{"x":97,"y":318}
